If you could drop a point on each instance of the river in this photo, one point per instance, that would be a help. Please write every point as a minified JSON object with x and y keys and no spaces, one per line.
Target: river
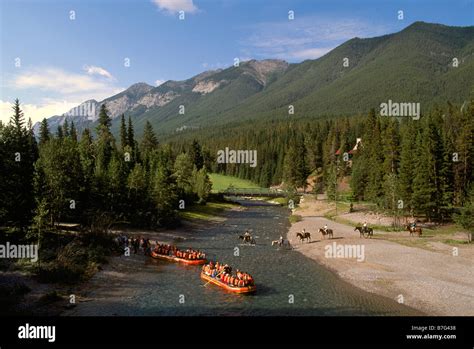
{"x":287,"y":282}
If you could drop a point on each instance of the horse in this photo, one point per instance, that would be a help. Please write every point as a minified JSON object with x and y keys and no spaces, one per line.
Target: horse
{"x":285,"y":243}
{"x":324,"y":233}
{"x":305,"y":236}
{"x":247,"y":239}
{"x":414,"y":230}
{"x":362,"y":231}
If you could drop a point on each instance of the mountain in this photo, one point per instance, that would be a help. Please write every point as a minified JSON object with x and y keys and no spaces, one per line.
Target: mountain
{"x":83,"y":116}
{"x":413,"y":65}
{"x":227,"y":87}
{"x":211,"y":94}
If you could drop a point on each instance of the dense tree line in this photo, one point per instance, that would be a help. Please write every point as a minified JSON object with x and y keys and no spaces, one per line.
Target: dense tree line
{"x":63,"y":177}
{"x":421,"y":167}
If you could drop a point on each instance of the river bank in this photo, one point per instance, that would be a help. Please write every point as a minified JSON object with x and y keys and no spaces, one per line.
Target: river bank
{"x":435,"y":281}
{"x":23,"y":293}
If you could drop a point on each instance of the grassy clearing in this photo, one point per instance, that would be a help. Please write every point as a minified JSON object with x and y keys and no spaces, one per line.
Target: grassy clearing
{"x":456,"y":242}
{"x":211,"y":211}
{"x":221,"y":182}
{"x":294,"y":218}
{"x":279,"y":201}
{"x":342,"y":207}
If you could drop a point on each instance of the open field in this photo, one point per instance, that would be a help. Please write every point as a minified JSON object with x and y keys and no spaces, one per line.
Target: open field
{"x":222,"y":182}
{"x":211,"y":211}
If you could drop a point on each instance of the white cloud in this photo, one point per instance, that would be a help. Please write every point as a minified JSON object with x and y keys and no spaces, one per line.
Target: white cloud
{"x":174,"y":6}
{"x":36,"y":112}
{"x":159,"y":82}
{"x":94,"y":70}
{"x":305,"y":37}
{"x":55,"y":90}
{"x":310,"y":53}
{"x":60,"y":81}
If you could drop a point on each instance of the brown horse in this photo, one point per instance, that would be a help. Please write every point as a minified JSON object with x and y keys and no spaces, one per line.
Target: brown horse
{"x":412,"y":230}
{"x":324,"y":233}
{"x":304,"y":236}
{"x":362,"y":232}
{"x":247,"y":239}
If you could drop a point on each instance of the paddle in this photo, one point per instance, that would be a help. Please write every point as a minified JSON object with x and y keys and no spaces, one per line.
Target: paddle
{"x":215,"y":277}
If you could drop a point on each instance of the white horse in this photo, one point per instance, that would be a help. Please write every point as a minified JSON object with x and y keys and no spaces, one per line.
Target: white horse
{"x":284,"y":243}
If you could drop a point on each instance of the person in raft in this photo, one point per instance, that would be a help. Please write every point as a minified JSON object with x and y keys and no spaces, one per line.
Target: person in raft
{"x":162,"y":249}
{"x":190,"y":254}
{"x":241,"y":279}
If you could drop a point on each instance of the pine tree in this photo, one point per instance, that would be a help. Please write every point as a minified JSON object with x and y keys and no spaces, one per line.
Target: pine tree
{"x":123,"y":133}
{"x":390,"y":147}
{"x":196,"y":154}
{"x":138,"y":197}
{"x":130,"y":134}
{"x":104,"y":119}
{"x":465,"y":218}
{"x":295,"y":169}
{"x":19,"y":152}
{"x":149,"y":141}
{"x":86,"y":154}
{"x":32,"y":144}
{"x":183,"y":172}
{"x":202,"y":184}
{"x":17,"y":121}
{"x":44,"y":132}
{"x":116,"y":186}
{"x":66,"y":128}
{"x":164,"y":189}
{"x":360,"y":174}
{"x":424,"y":181}
{"x":375,"y":159}
{"x":73,"y":132}
{"x":105,"y":143}
{"x":59,"y":132}
{"x":406,"y":168}
{"x":464,"y":145}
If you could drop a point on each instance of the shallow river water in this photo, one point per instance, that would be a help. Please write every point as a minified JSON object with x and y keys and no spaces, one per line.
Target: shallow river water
{"x":154,"y":287}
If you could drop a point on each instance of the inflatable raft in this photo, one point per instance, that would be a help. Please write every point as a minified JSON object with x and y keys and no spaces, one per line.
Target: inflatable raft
{"x":177,"y":259}
{"x":234,"y":289}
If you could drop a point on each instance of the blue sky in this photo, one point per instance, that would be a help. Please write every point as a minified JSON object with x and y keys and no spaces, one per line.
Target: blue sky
{"x":52,"y":63}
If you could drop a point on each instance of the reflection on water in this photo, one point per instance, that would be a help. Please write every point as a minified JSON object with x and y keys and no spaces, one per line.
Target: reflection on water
{"x":154,"y":287}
